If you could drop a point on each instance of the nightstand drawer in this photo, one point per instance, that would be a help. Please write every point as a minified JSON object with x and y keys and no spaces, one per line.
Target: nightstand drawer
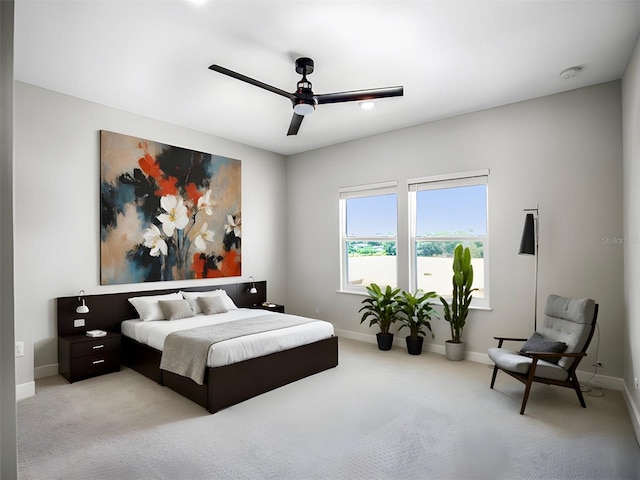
{"x":92,"y":365}
{"x":95,"y":346}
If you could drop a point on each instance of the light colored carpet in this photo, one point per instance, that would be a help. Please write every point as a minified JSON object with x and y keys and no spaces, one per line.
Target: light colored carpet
{"x":378,"y":415}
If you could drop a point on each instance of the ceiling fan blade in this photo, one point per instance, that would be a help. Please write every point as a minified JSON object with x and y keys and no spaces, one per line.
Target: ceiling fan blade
{"x":296,"y":121}
{"x":359,"y":95}
{"x":244,"y":78}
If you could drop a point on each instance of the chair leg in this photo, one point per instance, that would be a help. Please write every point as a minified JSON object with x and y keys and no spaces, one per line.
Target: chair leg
{"x":526,"y":396}
{"x":532,"y":374}
{"x":493,"y":377}
{"x":576,"y":387}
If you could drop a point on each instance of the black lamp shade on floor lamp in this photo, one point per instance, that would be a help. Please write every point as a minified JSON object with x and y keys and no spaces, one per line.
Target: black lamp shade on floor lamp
{"x":528,"y":242}
{"x":529,"y":246}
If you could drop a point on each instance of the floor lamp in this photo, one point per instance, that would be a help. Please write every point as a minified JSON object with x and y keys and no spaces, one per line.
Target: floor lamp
{"x":529,"y":246}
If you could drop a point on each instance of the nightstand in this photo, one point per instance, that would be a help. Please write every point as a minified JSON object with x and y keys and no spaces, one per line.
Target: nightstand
{"x":80,"y":356}
{"x":272,"y":307}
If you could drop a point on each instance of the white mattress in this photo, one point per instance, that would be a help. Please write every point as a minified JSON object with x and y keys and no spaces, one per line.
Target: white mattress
{"x":153,"y":333}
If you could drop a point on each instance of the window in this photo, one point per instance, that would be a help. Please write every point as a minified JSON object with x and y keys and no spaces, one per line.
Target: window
{"x":446,"y":211}
{"x":369,"y":223}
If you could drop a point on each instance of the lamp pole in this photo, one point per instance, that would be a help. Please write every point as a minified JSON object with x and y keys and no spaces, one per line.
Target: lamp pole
{"x":529,"y":246}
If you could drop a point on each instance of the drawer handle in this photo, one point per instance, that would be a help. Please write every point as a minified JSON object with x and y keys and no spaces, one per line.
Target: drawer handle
{"x":96,"y":347}
{"x":98,"y":362}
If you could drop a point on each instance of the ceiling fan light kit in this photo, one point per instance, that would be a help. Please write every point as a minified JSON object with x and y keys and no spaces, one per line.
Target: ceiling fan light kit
{"x":303,"y":108}
{"x":304,"y":100}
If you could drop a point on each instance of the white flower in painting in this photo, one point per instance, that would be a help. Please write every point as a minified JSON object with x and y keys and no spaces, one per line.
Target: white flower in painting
{"x":232,"y":225}
{"x":153,"y":240}
{"x":206,"y":203}
{"x":176,"y":216}
{"x":204,"y":235}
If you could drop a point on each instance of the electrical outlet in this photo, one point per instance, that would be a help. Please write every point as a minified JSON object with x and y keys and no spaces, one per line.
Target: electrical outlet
{"x":78,"y":322}
{"x":19,"y":349}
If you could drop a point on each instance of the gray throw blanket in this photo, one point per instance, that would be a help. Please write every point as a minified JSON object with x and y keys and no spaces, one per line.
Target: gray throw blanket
{"x":185,"y":352}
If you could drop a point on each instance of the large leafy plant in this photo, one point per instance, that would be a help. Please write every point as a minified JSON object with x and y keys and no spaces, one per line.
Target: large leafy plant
{"x":416,"y":311}
{"x":380,"y":307}
{"x":456,"y":312}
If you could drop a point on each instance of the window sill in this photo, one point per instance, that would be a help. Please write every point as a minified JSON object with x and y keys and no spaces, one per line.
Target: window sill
{"x":352,"y":292}
{"x":364,"y":294}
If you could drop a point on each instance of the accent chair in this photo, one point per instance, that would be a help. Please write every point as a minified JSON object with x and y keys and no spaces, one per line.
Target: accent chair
{"x":552,"y":354}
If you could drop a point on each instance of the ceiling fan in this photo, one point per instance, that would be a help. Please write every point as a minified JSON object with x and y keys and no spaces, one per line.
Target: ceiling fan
{"x":304,"y":100}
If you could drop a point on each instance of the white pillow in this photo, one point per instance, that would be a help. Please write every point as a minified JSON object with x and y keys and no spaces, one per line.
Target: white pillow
{"x":192,"y":298}
{"x":148,"y":308}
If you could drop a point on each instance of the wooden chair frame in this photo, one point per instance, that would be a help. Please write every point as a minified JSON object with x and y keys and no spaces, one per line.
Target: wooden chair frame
{"x":530,"y":378}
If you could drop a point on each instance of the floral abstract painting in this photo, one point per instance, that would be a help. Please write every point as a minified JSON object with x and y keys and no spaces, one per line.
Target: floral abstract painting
{"x":167,"y":213}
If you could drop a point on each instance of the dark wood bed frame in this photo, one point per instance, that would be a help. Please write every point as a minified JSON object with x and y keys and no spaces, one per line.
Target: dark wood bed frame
{"x":223,"y":386}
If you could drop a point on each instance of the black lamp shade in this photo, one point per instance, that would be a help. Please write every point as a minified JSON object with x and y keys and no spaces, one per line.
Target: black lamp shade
{"x":528,"y":242}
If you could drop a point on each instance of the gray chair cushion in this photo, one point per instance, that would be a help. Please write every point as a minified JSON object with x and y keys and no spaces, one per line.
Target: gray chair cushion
{"x":568,"y":320}
{"x":514,"y":362}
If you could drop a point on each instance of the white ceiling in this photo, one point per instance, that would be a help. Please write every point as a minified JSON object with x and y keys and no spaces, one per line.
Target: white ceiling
{"x":151,"y":57}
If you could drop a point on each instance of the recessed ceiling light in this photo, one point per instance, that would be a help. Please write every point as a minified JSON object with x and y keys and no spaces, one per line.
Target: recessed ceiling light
{"x":570,"y":72}
{"x":367,"y":105}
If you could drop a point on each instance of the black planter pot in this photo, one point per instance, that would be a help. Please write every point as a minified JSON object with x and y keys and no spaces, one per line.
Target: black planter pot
{"x":385,"y":340}
{"x":414,"y":345}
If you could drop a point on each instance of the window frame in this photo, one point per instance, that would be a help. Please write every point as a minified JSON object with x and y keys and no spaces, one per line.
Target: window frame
{"x":360,"y":191}
{"x":462,"y":179}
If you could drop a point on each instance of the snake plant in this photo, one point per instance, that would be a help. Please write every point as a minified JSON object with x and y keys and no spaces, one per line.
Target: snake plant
{"x":456,"y":312}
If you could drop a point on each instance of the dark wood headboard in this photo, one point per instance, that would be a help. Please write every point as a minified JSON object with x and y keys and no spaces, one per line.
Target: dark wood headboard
{"x":108,"y":310}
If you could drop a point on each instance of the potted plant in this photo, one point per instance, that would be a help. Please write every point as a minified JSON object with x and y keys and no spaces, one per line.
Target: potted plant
{"x":416,"y":311}
{"x":381,"y":308}
{"x":456,"y":312}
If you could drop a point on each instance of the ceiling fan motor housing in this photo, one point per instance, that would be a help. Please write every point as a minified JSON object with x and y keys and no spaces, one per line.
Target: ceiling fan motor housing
{"x":304,"y":101}
{"x":304,"y":66}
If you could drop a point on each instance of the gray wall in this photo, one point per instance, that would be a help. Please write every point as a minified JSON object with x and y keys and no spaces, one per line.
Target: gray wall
{"x":57,"y":211}
{"x":8,"y":451}
{"x":631,"y":205}
{"x":563,"y":152}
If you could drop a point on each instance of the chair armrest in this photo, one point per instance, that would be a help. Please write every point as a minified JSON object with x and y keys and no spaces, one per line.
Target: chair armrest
{"x":511,"y":339}
{"x":544,"y":355}
{"x":535,"y":356}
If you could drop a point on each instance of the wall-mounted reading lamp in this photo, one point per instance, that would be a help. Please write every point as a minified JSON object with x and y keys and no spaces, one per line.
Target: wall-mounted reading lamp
{"x":529,"y":246}
{"x":83,"y":307}
{"x":253,"y":290}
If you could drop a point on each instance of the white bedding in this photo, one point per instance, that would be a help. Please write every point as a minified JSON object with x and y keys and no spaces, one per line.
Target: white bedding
{"x":154,"y":333}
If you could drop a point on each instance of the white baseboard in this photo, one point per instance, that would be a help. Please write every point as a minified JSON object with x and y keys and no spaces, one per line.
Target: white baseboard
{"x":633,"y":411}
{"x":398,"y":340}
{"x":45,"y":371}
{"x":603,"y":381}
{"x":363,"y":337}
{"x":25,"y":390}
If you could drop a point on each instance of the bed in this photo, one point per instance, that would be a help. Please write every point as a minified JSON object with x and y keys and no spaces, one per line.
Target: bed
{"x":237,"y":369}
